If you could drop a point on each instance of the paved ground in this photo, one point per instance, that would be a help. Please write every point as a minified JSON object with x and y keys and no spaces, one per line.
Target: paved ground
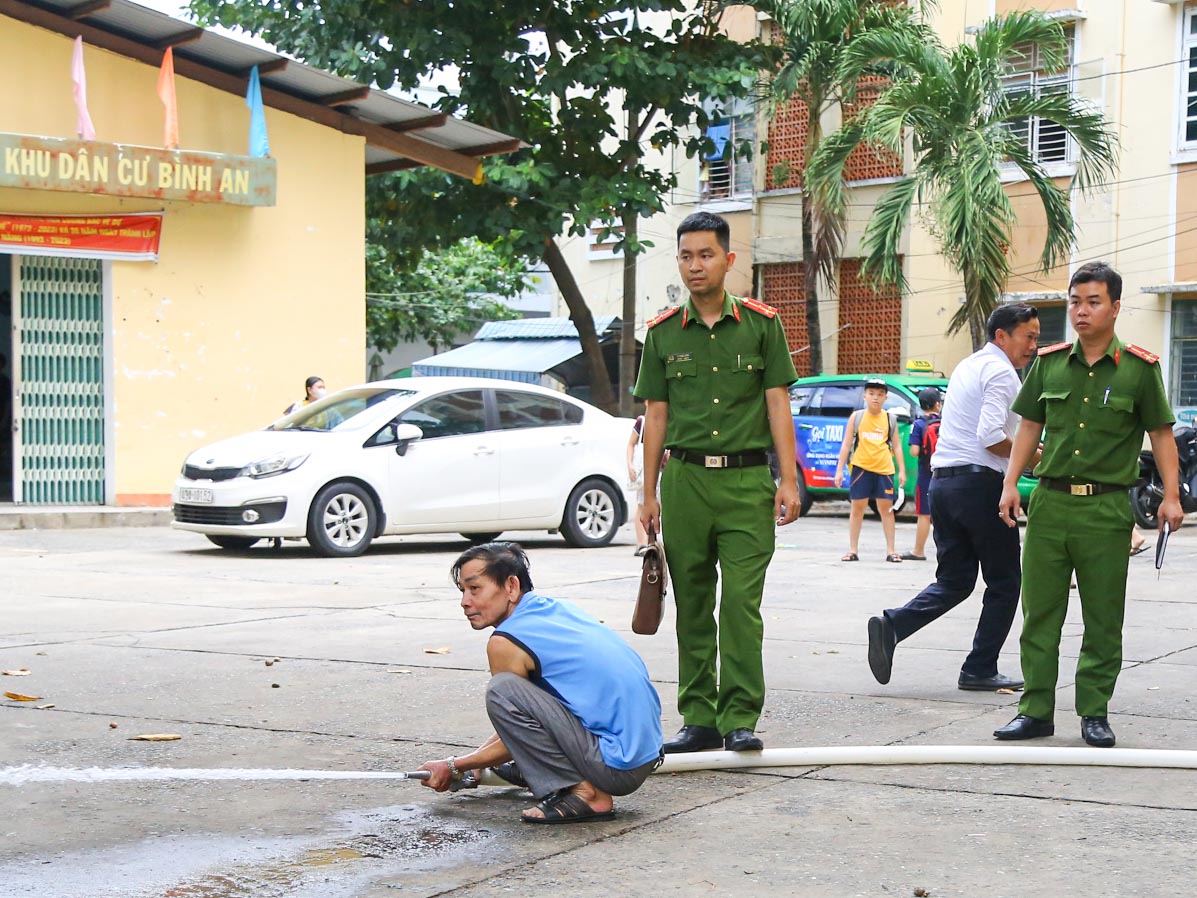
{"x":144,"y":630}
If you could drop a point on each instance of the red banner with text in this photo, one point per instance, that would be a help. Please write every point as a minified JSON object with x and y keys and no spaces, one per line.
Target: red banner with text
{"x":129,"y":238}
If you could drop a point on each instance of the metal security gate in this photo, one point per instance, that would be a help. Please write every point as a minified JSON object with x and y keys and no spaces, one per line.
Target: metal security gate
{"x":58,"y":330}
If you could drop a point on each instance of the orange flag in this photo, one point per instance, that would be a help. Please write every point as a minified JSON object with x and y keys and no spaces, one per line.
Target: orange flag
{"x":166,"y":92}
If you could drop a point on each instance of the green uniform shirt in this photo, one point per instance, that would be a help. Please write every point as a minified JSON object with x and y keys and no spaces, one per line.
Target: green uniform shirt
{"x":714,"y":379}
{"x":1094,"y":416}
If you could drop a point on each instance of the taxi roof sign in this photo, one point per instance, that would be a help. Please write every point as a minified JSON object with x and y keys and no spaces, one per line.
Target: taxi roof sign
{"x":919,"y":366}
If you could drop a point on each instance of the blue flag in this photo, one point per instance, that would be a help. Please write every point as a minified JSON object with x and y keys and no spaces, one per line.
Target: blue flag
{"x":259,"y":143}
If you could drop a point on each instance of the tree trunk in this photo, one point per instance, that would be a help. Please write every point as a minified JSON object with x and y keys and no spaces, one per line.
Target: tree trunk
{"x":627,"y":331}
{"x":810,"y":273}
{"x":579,"y":314}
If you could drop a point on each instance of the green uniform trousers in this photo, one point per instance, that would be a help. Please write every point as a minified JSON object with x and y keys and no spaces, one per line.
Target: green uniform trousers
{"x":1091,"y":536}
{"x":724,"y":517}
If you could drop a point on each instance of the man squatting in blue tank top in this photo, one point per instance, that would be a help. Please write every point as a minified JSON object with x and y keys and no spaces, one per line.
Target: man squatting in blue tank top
{"x":576,"y":718}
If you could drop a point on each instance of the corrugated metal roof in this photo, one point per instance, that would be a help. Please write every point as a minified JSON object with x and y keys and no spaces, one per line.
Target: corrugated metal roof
{"x":384,"y":120}
{"x":532,"y":357}
{"x":540,"y":328}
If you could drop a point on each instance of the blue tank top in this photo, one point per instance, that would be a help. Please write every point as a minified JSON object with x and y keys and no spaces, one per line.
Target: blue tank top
{"x":594,"y":673}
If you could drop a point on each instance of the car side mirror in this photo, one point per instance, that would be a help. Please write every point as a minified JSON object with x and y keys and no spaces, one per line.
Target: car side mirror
{"x":405,"y":435}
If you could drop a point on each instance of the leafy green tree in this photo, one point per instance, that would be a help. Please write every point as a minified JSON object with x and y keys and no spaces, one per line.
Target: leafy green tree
{"x":447,"y":293}
{"x":814,"y":38}
{"x":966,"y":126}
{"x":594,"y":87}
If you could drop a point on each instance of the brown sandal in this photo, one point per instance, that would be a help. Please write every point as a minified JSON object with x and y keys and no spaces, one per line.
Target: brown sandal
{"x":895,"y":557}
{"x":851,"y":556}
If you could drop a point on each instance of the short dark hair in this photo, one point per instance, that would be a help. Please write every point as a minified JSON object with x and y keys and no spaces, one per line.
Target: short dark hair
{"x":707,"y":221}
{"x":311,"y":382}
{"x":929,"y":397}
{"x":502,"y":559}
{"x":1103,"y":274}
{"x":1008,"y":316}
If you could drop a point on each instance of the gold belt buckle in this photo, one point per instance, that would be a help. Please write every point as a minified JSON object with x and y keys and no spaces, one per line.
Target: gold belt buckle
{"x":1081,"y":489}
{"x":716,"y":461}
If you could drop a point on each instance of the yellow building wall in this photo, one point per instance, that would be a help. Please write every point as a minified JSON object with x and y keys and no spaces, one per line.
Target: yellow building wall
{"x":244,"y":303}
{"x":1027,"y":240}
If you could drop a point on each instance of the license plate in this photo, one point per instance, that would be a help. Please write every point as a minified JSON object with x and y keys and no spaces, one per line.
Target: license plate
{"x":195,"y":496}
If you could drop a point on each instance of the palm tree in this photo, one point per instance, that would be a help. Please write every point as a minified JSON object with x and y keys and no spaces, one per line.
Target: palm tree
{"x":814,"y":38}
{"x":965,"y":126}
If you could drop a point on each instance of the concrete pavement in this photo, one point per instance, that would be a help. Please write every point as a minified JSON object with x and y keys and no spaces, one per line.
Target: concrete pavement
{"x":135,"y":631}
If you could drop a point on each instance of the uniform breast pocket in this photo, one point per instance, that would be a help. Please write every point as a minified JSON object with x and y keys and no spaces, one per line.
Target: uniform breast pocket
{"x":749,"y":364}
{"x":680,"y":368}
{"x":1114,"y":414}
{"x":1051,"y":397}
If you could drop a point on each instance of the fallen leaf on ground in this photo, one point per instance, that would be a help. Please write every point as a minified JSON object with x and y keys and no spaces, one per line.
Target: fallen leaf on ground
{"x":156,"y":737}
{"x":21,"y":672}
{"x":17,"y":697}
{"x":443,"y":650}
{"x":1005,"y":691}
{"x":399,"y":670}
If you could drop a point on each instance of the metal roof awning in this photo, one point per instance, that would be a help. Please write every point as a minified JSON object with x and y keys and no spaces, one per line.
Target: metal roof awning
{"x":398,"y":133}
{"x":1183,"y":287}
{"x":528,"y":359}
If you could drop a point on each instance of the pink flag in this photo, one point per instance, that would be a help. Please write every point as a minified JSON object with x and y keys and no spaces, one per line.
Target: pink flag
{"x":86,"y":130}
{"x":166,"y":92}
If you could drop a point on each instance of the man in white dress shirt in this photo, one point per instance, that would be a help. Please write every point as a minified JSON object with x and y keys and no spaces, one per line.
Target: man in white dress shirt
{"x":967,"y":468}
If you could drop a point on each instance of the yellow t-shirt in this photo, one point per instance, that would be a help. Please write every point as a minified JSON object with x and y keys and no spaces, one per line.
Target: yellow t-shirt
{"x":873,"y":452}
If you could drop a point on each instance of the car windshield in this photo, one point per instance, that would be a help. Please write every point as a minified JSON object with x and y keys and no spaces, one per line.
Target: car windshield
{"x":333,"y":411}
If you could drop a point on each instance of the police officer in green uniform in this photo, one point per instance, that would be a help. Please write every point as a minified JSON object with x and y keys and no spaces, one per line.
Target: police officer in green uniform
{"x":1091,"y":401}
{"x":714,"y":376}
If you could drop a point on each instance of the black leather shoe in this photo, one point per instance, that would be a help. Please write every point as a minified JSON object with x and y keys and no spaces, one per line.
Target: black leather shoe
{"x":988,"y":684}
{"x":1023,"y":727}
{"x":881,"y":648}
{"x":693,"y":738}
{"x":742,"y":739}
{"x":1096,"y":731}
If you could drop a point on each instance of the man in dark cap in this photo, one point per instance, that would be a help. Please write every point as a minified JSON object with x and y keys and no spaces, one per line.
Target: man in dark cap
{"x":975,"y":439}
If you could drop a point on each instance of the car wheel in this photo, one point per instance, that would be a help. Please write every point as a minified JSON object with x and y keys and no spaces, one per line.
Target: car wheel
{"x":477,"y":539}
{"x":341,"y":521}
{"x":591,"y":515}
{"x":232,"y":542}
{"x":805,"y":499}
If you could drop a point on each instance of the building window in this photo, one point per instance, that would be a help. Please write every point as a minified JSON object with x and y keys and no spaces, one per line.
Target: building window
{"x":1053,"y":324}
{"x":1184,"y":353}
{"x":1046,"y":141}
{"x":726,"y":169}
{"x":601,"y":240}
{"x":1188,"y":122}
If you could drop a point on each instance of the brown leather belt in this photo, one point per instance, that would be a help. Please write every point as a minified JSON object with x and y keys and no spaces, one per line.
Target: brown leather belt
{"x":1082,"y":489}
{"x":737,"y":460}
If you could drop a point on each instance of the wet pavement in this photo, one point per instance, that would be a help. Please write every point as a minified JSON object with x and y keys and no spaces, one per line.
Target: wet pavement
{"x":281,"y":661}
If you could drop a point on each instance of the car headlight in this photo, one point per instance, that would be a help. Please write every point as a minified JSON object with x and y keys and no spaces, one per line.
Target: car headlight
{"x":275,"y":464}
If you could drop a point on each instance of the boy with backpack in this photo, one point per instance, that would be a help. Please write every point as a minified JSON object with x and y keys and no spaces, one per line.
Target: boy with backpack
{"x":924,"y":434}
{"x":870,"y":451}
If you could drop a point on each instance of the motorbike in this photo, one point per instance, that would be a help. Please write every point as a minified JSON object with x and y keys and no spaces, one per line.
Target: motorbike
{"x":1148,"y":493}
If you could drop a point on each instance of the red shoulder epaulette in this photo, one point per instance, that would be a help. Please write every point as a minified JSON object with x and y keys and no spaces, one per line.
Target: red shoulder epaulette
{"x":1055,"y":347}
{"x":1149,"y":357}
{"x":759,"y":307}
{"x":655,"y":321}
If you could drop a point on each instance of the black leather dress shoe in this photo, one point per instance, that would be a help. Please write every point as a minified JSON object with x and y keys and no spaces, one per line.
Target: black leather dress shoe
{"x":1096,"y":731}
{"x":988,"y":684}
{"x":1023,"y":727}
{"x":693,"y":738}
{"x":742,"y":739}
{"x":881,"y":648}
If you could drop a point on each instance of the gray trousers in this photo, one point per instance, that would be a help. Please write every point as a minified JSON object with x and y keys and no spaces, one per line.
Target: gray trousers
{"x":549,"y":744}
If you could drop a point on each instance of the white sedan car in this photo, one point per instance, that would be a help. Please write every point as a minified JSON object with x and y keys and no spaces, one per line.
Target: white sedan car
{"x":422,"y":455}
